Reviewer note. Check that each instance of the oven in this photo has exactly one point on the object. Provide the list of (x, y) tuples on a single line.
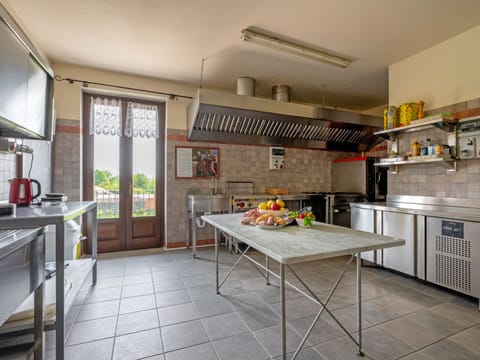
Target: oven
[(339, 207), (320, 202), (334, 207)]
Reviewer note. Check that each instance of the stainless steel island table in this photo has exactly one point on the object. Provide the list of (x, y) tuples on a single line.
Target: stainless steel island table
[(36, 216), (293, 244)]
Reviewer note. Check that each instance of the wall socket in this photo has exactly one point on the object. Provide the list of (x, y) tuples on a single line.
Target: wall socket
[(6, 145)]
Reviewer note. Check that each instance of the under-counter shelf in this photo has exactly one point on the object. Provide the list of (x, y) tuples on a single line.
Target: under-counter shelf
[(443, 122), (449, 163), (76, 272)]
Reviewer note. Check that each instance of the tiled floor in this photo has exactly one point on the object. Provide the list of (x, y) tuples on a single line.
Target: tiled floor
[(163, 306)]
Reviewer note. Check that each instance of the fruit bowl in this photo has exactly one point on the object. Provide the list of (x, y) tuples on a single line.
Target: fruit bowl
[(274, 212)]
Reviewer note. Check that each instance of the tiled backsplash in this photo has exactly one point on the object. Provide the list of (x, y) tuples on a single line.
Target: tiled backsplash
[(7, 171), (305, 170), (67, 157)]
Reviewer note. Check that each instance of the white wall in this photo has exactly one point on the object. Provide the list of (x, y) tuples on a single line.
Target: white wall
[(445, 74), (68, 96)]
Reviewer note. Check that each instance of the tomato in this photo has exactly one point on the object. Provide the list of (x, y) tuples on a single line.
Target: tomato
[(301, 216)]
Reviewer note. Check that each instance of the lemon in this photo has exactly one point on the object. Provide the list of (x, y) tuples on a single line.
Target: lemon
[(281, 203), (263, 206), (269, 204)]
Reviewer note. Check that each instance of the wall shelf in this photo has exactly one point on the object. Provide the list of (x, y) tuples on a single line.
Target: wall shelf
[(442, 122), (449, 163)]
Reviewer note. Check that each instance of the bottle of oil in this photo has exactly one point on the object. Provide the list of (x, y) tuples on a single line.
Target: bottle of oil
[(415, 148)]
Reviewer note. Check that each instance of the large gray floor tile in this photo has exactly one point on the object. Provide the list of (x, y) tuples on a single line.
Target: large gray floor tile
[(137, 290), (416, 333), (172, 298), (270, 338), (177, 313), (166, 274), (98, 310), (213, 306), (323, 330), (445, 350), (137, 278), (105, 294), (137, 321), (341, 349), (138, 345), (202, 351), (203, 292), (167, 285), (137, 303), (183, 335), (259, 317), (109, 282), (94, 350), (224, 325), (381, 345), (240, 347), (304, 354), (297, 308), (92, 330), (198, 280), (460, 314), (469, 339)]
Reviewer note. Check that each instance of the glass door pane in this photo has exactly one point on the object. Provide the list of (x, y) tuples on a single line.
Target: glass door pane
[(143, 176), (106, 172)]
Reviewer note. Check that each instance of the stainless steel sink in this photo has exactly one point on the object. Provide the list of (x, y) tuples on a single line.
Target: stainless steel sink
[(198, 205), (208, 203)]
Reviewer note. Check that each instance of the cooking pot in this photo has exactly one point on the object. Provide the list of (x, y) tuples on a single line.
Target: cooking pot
[(21, 191)]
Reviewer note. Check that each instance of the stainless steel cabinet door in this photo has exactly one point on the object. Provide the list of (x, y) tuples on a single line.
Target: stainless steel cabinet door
[(400, 258), (364, 220)]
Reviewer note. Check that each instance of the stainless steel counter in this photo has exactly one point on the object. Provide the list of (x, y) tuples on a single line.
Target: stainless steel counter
[(37, 216), (452, 208)]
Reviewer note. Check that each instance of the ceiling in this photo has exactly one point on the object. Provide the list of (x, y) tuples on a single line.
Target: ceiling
[(168, 39)]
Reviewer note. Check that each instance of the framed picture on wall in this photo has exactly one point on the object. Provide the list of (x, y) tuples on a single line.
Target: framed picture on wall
[(196, 162)]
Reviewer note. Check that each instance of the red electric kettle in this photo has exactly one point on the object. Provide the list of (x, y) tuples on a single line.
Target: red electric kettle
[(21, 191)]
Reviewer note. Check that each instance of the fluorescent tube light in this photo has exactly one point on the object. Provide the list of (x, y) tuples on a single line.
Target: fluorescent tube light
[(296, 49)]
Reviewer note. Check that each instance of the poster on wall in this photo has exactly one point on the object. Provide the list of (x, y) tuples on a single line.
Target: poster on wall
[(196, 162)]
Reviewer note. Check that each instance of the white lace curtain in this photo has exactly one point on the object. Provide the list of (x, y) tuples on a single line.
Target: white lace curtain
[(106, 118), (141, 121)]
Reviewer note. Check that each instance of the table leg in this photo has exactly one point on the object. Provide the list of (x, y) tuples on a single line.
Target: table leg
[(267, 273), (60, 291), (194, 237), (38, 323), (216, 261), (359, 302), (283, 315), (92, 218)]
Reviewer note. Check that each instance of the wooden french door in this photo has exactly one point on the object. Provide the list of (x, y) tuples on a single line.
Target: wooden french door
[(125, 175)]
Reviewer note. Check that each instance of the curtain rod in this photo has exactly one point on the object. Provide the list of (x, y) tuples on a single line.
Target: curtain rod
[(86, 82)]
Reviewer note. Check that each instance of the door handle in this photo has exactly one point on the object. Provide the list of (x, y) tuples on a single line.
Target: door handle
[(130, 189)]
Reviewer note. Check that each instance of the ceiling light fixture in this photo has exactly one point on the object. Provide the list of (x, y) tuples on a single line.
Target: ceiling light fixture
[(293, 48)]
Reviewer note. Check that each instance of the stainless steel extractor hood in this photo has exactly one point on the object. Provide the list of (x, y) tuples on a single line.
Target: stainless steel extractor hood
[(226, 117)]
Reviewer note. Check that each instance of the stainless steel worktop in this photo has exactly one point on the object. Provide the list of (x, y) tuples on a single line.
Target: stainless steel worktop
[(267, 196), (34, 216), (451, 208)]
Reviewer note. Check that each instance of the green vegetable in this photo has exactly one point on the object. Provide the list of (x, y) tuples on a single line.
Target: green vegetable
[(308, 217)]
